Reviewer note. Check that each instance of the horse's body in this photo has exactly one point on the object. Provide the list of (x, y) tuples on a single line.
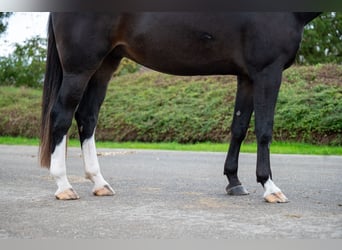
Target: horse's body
[(86, 48)]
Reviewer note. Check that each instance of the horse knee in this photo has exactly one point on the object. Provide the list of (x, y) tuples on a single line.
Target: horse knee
[(263, 137), (86, 125), (238, 133), (61, 122)]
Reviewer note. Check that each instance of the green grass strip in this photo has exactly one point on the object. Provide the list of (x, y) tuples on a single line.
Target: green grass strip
[(276, 147)]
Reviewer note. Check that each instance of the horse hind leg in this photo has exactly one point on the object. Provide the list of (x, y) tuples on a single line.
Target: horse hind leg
[(58, 171), (87, 116), (62, 111), (242, 115)]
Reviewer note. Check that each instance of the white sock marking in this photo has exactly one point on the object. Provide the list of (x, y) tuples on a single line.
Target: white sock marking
[(58, 167), (270, 188), (91, 163)]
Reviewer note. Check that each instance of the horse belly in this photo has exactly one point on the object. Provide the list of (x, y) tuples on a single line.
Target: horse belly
[(184, 63), (183, 45)]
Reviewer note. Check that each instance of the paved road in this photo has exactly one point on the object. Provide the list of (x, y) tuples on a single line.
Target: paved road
[(165, 194)]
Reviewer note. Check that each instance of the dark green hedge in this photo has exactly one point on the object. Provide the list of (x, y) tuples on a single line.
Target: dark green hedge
[(152, 107)]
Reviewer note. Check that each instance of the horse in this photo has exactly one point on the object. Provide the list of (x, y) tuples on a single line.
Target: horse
[(85, 49)]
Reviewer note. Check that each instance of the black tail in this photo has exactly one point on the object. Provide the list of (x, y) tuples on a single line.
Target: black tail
[(52, 83), (306, 17)]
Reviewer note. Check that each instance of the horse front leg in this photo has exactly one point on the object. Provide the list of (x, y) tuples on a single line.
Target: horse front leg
[(241, 118), (266, 88)]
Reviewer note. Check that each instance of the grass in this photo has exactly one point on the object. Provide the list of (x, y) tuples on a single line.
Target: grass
[(276, 148)]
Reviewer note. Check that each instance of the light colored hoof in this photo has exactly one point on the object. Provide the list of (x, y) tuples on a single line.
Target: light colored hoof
[(104, 191), (278, 197), (68, 194)]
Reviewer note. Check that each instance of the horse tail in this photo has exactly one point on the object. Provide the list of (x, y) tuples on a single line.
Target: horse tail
[(52, 82)]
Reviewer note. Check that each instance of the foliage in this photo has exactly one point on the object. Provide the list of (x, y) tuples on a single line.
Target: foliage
[(20, 109), (310, 105), (153, 107), (322, 40), (126, 67), (156, 107), (3, 21), (26, 65)]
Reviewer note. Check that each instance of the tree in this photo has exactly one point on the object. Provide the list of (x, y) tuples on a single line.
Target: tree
[(322, 40), (26, 65), (3, 21)]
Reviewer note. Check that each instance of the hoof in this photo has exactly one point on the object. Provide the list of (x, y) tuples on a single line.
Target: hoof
[(276, 198), (68, 194), (104, 191), (236, 190)]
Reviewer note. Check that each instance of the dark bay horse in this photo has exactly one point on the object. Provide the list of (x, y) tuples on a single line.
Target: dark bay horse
[(84, 49)]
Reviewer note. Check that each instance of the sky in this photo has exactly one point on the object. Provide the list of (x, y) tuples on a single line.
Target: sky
[(22, 26)]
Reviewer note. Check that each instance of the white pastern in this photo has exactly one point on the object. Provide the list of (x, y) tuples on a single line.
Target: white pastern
[(270, 188), (91, 164), (58, 167)]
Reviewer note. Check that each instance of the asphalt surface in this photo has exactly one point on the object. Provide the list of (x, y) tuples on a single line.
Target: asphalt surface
[(169, 195)]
